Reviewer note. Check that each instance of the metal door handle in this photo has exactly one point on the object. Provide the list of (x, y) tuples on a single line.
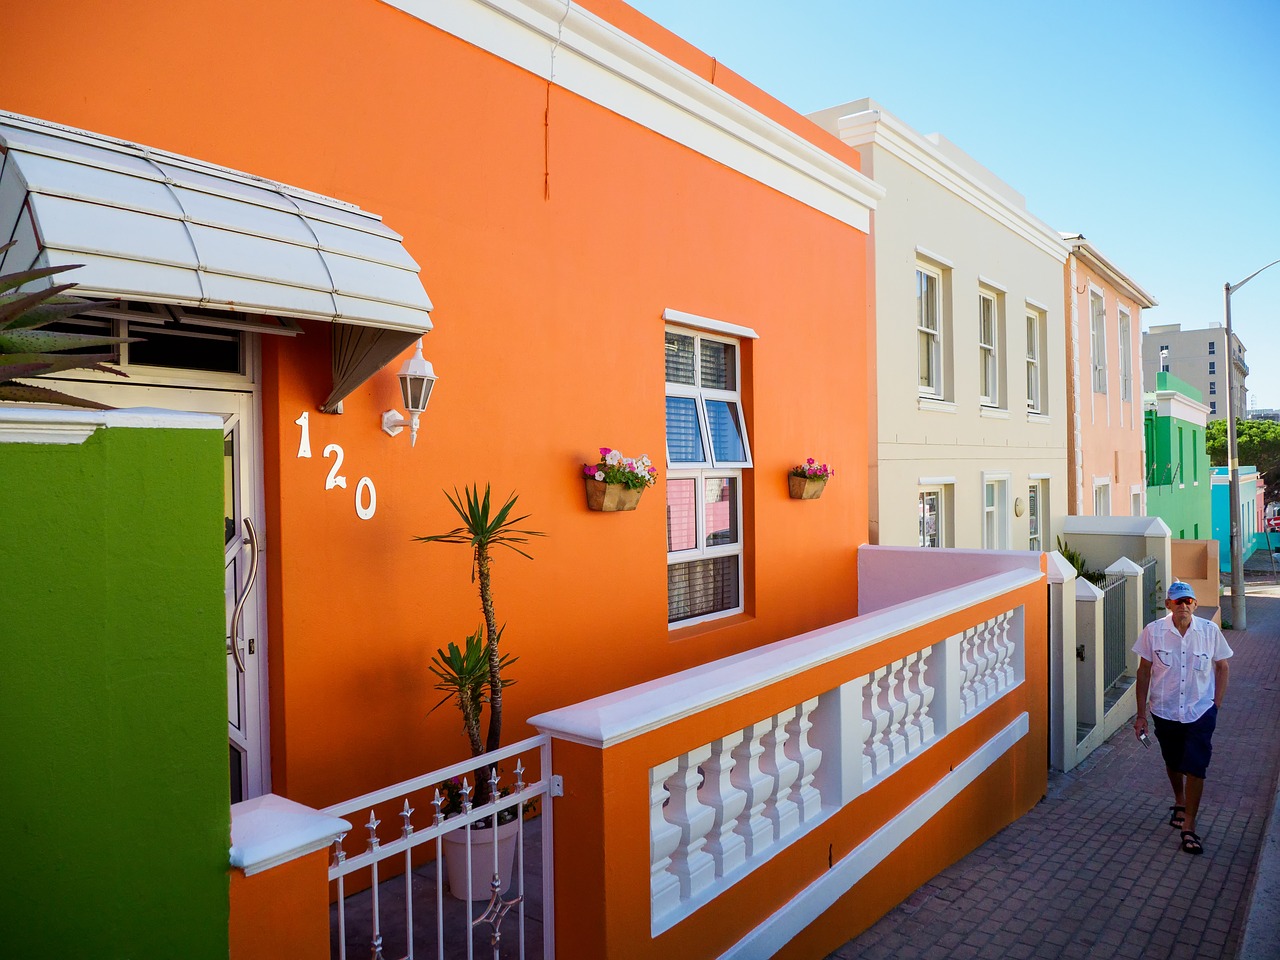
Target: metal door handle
[(252, 540)]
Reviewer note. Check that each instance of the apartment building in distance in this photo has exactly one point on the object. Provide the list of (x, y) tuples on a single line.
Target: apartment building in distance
[(1198, 357)]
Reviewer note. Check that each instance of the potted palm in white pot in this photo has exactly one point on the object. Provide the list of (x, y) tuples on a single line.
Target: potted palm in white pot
[(471, 677)]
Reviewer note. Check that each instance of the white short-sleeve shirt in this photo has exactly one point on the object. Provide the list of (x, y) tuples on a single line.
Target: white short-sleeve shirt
[(1182, 674)]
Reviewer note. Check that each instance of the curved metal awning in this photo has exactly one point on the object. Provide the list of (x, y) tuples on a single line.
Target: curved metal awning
[(154, 226)]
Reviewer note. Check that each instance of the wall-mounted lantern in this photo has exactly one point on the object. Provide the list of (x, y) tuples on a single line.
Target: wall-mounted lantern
[(416, 380)]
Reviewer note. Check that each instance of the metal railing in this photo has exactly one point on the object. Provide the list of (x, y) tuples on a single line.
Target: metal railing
[(483, 904), (1114, 640)]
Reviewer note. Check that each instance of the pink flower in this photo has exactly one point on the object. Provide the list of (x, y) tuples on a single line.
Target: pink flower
[(809, 461), (605, 451), (589, 470)]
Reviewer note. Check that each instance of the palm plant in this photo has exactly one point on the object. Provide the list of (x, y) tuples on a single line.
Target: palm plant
[(28, 351), (482, 529)]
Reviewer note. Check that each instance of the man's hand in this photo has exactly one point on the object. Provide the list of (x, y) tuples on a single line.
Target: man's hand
[(1140, 725)]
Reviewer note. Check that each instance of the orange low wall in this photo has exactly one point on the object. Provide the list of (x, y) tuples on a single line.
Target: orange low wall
[(283, 911), (603, 849)]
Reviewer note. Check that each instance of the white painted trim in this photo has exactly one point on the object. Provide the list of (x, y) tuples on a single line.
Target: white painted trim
[(934, 405), (994, 413), (992, 284), (1101, 482), (821, 895), (936, 481), (1036, 305), (706, 323), (620, 716), (72, 426), (270, 830), (934, 259), (1039, 418), (573, 48), (1039, 476), (877, 127)]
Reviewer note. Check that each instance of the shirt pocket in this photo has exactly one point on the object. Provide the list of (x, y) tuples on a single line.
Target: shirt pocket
[(1164, 656), (1201, 662)]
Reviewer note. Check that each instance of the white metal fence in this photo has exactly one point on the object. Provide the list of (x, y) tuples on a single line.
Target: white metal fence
[(410, 915)]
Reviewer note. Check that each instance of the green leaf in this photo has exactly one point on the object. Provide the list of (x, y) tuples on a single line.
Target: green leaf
[(28, 394)]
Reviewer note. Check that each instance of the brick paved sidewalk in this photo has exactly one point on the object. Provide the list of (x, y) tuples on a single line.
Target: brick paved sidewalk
[(1094, 870)]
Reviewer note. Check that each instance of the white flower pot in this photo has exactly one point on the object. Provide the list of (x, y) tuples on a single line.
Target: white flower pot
[(455, 860)]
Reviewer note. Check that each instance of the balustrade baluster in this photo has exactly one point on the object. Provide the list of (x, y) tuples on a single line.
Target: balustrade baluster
[(876, 749), (924, 716), (779, 809), (754, 828), (894, 709), (911, 697), (1005, 646), (692, 865), (969, 665), (726, 847), (664, 837), (807, 758)]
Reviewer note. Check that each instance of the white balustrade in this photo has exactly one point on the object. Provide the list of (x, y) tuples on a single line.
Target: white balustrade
[(719, 811)]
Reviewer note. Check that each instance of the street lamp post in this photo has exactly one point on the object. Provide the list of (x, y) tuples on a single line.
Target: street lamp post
[(1238, 620)]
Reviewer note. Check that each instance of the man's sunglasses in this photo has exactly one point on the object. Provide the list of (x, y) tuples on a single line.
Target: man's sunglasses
[(1182, 600)]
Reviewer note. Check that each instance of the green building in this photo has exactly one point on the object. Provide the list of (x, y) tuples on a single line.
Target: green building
[(1178, 475)]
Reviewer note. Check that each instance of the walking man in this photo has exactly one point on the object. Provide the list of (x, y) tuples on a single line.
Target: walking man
[(1183, 678)]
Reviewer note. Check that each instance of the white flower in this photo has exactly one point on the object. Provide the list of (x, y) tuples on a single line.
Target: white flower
[(599, 474)]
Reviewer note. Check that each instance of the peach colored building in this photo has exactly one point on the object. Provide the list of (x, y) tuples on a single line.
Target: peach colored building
[(1105, 435)]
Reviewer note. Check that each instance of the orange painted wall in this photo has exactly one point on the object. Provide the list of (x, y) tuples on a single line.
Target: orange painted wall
[(607, 800), (1111, 431), (285, 906), (552, 234)]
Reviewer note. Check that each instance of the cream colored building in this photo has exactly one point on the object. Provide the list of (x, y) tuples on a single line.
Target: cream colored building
[(969, 444)]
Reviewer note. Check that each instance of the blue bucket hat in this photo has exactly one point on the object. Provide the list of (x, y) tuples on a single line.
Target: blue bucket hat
[(1178, 590)]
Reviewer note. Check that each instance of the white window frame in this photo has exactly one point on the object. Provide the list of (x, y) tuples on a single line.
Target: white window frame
[(988, 348), (932, 336), (1037, 381), (1213, 388), (1036, 491), (709, 468), (943, 514), (1102, 496), (1213, 368), (995, 517), (1126, 357), (1098, 342), (1213, 348)]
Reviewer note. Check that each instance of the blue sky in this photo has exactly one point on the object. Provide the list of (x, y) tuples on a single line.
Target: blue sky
[(1153, 128)]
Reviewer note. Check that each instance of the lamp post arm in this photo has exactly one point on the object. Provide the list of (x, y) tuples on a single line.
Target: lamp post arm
[(1232, 288)]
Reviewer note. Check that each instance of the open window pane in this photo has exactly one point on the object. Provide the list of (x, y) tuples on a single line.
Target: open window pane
[(930, 517), (684, 432), (724, 418), (680, 356), (720, 499), (702, 587), (682, 515), (719, 365)]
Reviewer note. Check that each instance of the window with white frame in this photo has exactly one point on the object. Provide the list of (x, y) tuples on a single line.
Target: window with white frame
[(1098, 311), (1213, 347), (929, 331), (1213, 406), (707, 452), (935, 516), (1213, 387), (990, 338), (1102, 499), (1037, 371), (995, 514), (1135, 508), (1213, 366), (1036, 515), (1126, 359)]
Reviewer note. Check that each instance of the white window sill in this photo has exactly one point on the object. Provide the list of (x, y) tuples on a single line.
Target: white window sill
[(937, 405), (994, 413), (1039, 418)]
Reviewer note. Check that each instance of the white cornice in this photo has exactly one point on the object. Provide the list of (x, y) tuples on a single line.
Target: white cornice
[(1093, 258), (879, 128), (582, 53), (69, 425)]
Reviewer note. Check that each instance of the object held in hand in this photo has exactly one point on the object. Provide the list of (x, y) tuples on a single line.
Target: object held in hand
[(1146, 741)]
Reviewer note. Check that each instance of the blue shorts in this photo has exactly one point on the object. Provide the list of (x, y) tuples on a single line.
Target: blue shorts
[(1187, 747)]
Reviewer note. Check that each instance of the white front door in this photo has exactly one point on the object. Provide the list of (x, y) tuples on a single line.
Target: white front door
[(242, 544)]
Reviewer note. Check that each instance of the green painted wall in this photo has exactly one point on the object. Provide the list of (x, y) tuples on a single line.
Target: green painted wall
[(114, 788), (1178, 475)]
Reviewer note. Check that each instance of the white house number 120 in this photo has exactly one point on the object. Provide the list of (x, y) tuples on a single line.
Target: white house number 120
[(366, 495)]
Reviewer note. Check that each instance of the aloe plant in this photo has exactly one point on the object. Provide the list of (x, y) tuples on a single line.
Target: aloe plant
[(28, 351), (483, 529)]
